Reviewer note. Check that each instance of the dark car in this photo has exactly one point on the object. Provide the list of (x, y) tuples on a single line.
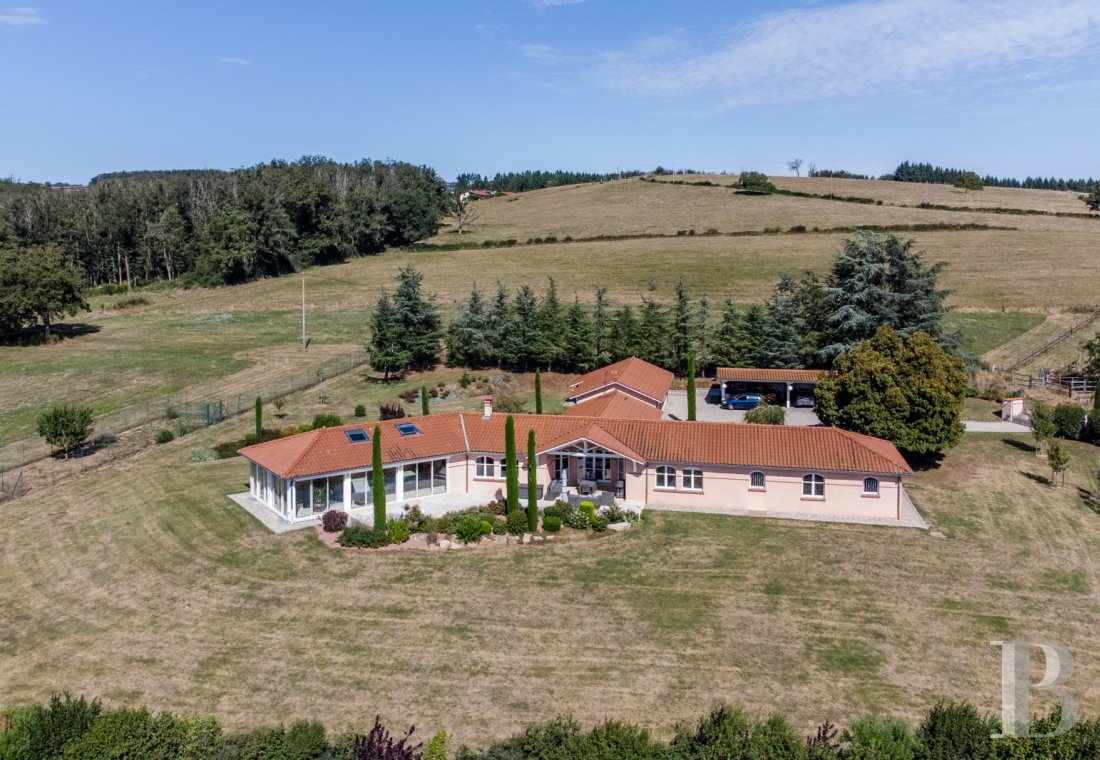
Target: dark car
[(804, 402), (743, 401), (714, 395)]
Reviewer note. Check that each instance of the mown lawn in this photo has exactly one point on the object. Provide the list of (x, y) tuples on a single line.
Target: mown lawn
[(142, 583)]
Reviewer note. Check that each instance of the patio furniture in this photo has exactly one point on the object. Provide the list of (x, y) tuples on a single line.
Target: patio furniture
[(586, 487)]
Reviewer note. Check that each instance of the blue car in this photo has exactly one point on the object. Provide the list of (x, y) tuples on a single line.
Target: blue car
[(743, 401)]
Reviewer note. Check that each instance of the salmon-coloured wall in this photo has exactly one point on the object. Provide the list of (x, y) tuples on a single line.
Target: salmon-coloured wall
[(660, 404), (728, 488)]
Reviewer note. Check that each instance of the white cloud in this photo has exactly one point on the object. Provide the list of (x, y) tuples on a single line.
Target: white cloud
[(21, 16), (862, 47), (541, 53), (540, 4), (232, 61)]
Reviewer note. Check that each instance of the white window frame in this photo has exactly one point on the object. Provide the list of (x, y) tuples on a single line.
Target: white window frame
[(485, 468), (816, 483), (664, 473), (693, 479), (874, 489), (503, 468)]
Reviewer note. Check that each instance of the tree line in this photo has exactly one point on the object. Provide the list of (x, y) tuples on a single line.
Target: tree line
[(807, 321), (215, 227), (519, 182), (924, 172)]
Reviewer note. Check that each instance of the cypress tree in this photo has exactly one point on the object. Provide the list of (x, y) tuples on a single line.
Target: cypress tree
[(532, 483), (377, 482), (511, 475), (691, 387), (424, 409), (682, 329), (601, 324), (259, 418), (538, 391)]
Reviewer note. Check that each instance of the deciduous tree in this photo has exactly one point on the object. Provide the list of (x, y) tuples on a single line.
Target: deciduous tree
[(38, 284), (65, 427)]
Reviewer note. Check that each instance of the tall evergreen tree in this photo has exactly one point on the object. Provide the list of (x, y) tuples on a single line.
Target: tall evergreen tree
[(813, 310), (656, 333), (377, 481), (532, 483), (259, 418), (579, 345), (538, 391), (500, 322), (418, 320), (625, 335), (726, 339), (682, 327), (784, 326), (702, 335), (425, 404), (523, 336), (753, 334), (691, 387), (469, 334), (601, 327), (551, 329), (387, 350), (511, 472)]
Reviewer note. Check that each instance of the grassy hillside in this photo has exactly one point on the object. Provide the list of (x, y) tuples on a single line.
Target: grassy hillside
[(142, 583), (201, 341)]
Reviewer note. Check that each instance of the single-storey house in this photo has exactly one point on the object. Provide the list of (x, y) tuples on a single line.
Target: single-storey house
[(812, 471), (782, 387), (633, 377)]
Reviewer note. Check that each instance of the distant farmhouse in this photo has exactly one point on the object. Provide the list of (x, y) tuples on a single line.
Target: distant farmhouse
[(610, 444)]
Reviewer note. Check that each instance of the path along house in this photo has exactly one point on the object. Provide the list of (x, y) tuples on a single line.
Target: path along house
[(613, 449)]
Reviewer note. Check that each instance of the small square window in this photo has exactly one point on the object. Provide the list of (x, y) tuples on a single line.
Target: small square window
[(357, 435), (408, 428)]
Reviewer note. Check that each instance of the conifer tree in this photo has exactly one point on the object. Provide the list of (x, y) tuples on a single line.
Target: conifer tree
[(378, 483), (469, 334), (417, 317), (753, 334), (784, 327), (425, 408), (538, 391), (702, 335), (625, 335), (550, 326), (682, 338), (523, 337), (532, 483), (601, 326), (726, 339), (500, 320), (691, 387), (259, 418), (655, 333), (511, 474), (388, 353), (580, 350)]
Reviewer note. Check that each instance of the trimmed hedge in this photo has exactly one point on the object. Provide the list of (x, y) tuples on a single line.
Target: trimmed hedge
[(551, 524)]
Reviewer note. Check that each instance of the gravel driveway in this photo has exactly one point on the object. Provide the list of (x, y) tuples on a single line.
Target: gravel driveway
[(676, 408)]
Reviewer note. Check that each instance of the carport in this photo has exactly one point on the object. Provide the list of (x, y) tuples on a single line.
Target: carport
[(780, 386)]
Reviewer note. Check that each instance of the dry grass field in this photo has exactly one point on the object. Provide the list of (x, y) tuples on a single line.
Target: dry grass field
[(142, 583)]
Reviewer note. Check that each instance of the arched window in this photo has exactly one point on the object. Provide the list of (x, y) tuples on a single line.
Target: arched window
[(503, 468), (813, 485), (870, 486), (666, 476), (693, 480), (486, 467), (757, 480)]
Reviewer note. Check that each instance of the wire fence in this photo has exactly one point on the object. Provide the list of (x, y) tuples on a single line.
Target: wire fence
[(32, 463)]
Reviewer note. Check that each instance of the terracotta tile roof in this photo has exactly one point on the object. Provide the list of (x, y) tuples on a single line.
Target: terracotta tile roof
[(769, 375), (633, 373), (615, 405), (715, 443)]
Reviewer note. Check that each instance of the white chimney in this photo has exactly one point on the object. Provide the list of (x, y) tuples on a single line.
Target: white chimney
[(488, 406)]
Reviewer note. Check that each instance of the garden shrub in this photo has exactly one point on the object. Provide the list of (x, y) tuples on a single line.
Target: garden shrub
[(551, 524), (517, 523), (164, 436), (487, 527), (496, 507), (731, 732), (334, 521), (204, 455), (766, 415), (391, 412), (437, 748), (362, 536), (43, 731), (380, 744), (326, 420), (880, 738), (305, 740), (1070, 420), (599, 524), (360, 410), (577, 519), (617, 514), (398, 531), (125, 733), (555, 510), (589, 509), (468, 528), (417, 520), (955, 732), (500, 527)]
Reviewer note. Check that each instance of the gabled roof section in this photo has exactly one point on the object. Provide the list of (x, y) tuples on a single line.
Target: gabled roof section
[(749, 374), (593, 433), (615, 405), (634, 374)]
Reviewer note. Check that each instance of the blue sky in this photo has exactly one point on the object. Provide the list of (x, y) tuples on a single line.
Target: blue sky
[(1010, 87)]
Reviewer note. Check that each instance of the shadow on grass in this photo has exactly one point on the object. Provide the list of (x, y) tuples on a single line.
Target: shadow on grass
[(1016, 443), (1037, 478), (35, 337), (925, 462)]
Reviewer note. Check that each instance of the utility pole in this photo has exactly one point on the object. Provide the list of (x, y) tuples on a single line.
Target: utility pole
[(303, 312)]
